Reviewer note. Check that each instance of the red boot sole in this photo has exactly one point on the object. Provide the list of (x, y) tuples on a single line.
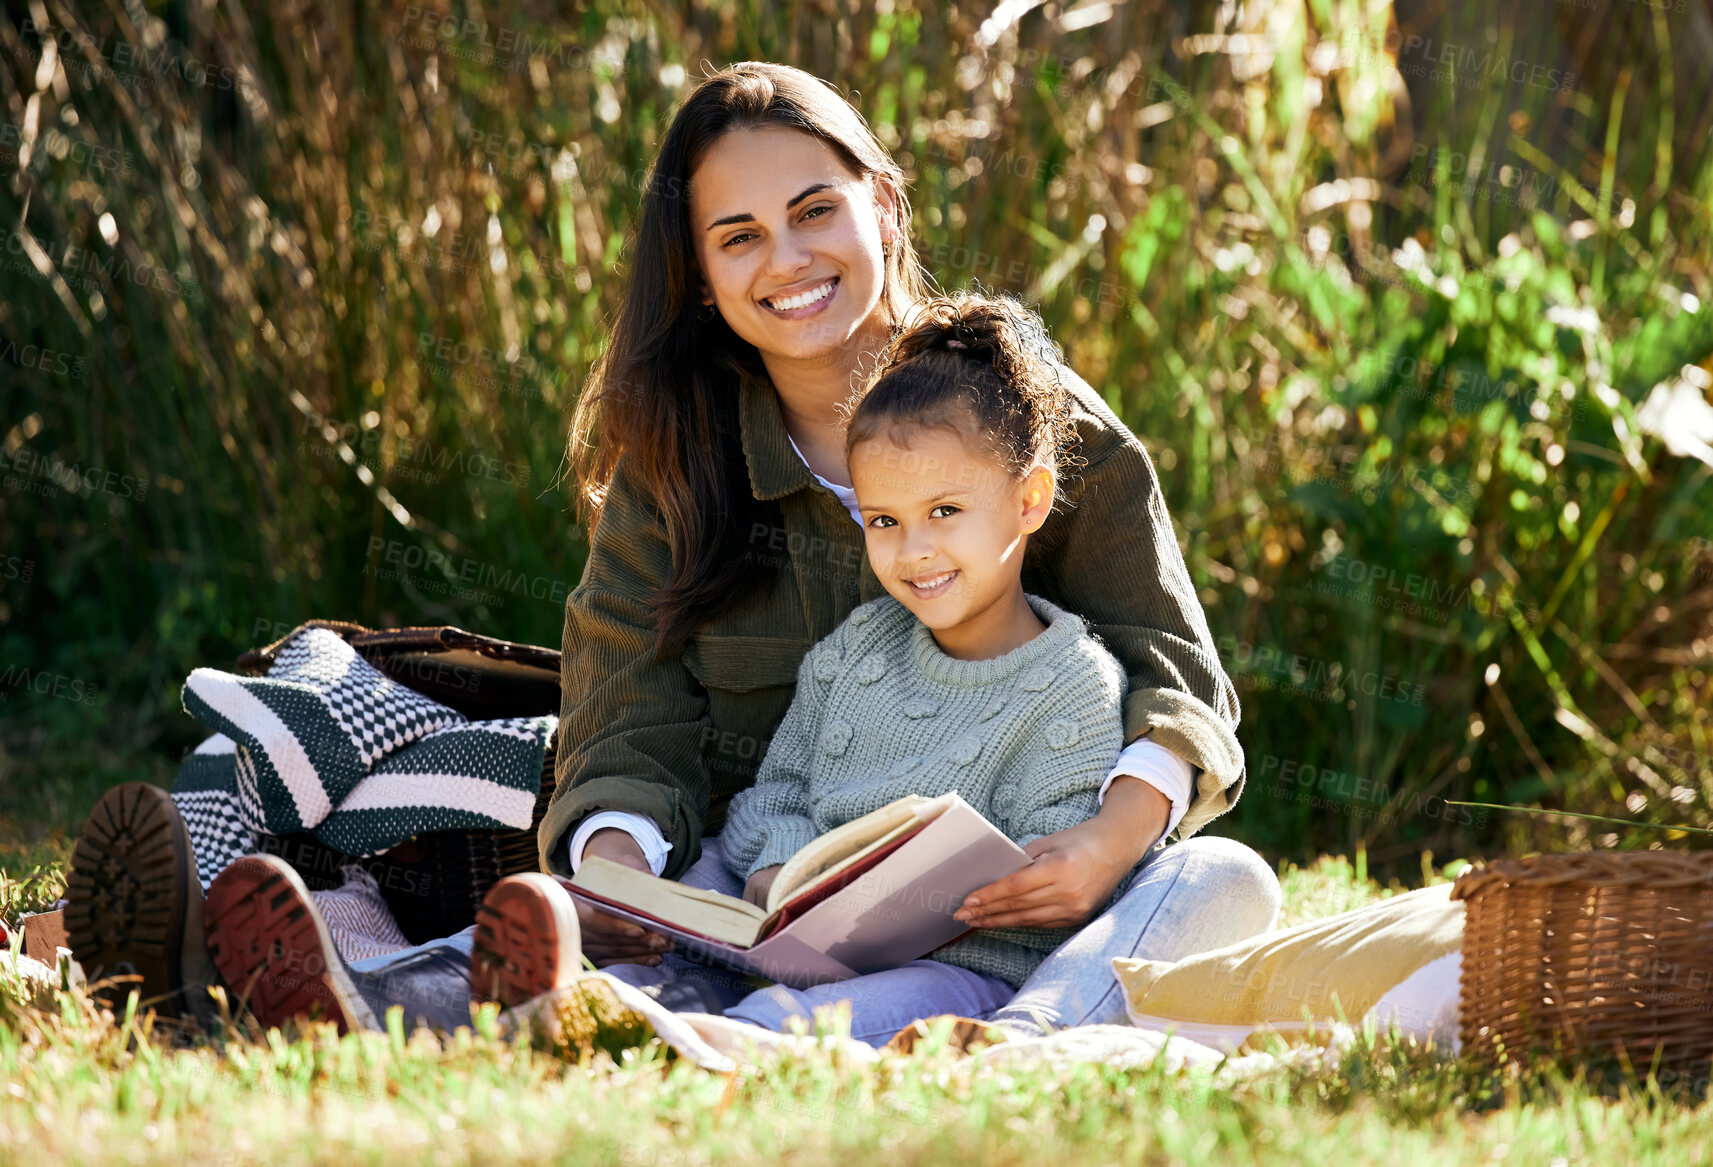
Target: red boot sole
[(527, 941), (273, 949)]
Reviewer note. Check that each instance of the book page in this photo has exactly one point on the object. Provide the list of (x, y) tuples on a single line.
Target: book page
[(707, 913), (843, 845), (836, 880), (890, 906), (901, 907)]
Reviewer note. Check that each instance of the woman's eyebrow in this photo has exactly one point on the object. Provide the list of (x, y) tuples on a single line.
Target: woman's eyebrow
[(746, 217)]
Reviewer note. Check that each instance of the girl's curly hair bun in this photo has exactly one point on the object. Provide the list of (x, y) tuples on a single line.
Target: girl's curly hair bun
[(989, 355)]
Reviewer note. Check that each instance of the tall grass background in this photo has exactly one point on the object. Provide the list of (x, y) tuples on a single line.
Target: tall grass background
[(1398, 323)]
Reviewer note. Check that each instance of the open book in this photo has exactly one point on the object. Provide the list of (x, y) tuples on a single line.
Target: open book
[(873, 894)]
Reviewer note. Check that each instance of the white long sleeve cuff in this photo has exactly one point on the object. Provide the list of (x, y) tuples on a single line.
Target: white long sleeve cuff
[(643, 829), (1159, 768)]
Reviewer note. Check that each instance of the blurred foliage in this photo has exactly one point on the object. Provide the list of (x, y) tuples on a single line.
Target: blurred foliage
[(1397, 298)]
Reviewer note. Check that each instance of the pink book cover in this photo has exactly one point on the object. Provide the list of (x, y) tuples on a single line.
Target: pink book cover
[(890, 909)]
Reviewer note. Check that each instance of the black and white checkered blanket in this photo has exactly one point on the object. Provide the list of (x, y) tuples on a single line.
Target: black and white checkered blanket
[(326, 743)]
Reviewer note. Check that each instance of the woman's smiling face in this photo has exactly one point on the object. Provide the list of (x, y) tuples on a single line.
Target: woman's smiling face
[(790, 241)]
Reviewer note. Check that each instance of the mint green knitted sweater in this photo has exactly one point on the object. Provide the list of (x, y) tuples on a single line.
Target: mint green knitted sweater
[(881, 712)]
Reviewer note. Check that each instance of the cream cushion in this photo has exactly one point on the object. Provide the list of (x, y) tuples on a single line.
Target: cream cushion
[(1396, 961)]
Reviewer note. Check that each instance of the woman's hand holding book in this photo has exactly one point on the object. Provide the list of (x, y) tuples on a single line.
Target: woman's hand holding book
[(608, 939)]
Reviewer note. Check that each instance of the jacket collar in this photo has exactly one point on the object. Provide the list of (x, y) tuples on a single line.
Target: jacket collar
[(774, 469)]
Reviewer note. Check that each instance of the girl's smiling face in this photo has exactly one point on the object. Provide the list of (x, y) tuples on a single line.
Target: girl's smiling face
[(790, 241), (946, 525)]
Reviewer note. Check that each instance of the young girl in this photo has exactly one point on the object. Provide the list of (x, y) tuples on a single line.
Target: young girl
[(956, 680)]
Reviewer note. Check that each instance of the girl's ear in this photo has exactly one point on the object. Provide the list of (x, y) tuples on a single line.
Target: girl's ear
[(1039, 487)]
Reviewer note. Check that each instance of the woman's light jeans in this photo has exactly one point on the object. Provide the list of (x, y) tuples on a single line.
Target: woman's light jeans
[(1183, 898)]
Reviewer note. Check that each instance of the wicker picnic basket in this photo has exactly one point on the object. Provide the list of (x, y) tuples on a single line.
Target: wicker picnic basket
[(435, 882), (1590, 955)]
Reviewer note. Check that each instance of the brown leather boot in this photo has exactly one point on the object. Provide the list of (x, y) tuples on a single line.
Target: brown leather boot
[(967, 1035), (134, 905)]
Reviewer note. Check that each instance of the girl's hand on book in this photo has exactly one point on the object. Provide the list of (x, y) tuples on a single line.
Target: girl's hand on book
[(756, 889), (608, 939), (1073, 874), (1075, 870)]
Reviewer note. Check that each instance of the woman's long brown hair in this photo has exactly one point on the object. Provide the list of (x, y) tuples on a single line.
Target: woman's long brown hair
[(662, 402)]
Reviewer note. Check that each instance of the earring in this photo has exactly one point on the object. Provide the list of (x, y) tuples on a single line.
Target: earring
[(706, 313)]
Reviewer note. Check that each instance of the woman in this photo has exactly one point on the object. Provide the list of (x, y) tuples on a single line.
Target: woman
[(771, 263)]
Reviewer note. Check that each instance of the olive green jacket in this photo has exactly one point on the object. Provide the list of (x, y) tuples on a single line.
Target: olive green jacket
[(674, 738)]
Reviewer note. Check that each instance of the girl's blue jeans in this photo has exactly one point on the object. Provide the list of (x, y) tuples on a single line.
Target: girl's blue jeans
[(1188, 897)]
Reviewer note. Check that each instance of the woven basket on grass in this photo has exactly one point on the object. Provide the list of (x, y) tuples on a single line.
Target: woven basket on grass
[(1589, 955), (435, 882)]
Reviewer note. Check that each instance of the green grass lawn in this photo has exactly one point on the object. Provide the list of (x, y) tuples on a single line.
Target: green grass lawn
[(83, 1087)]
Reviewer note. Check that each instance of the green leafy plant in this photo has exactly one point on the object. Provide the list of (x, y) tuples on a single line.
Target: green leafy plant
[(321, 291)]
